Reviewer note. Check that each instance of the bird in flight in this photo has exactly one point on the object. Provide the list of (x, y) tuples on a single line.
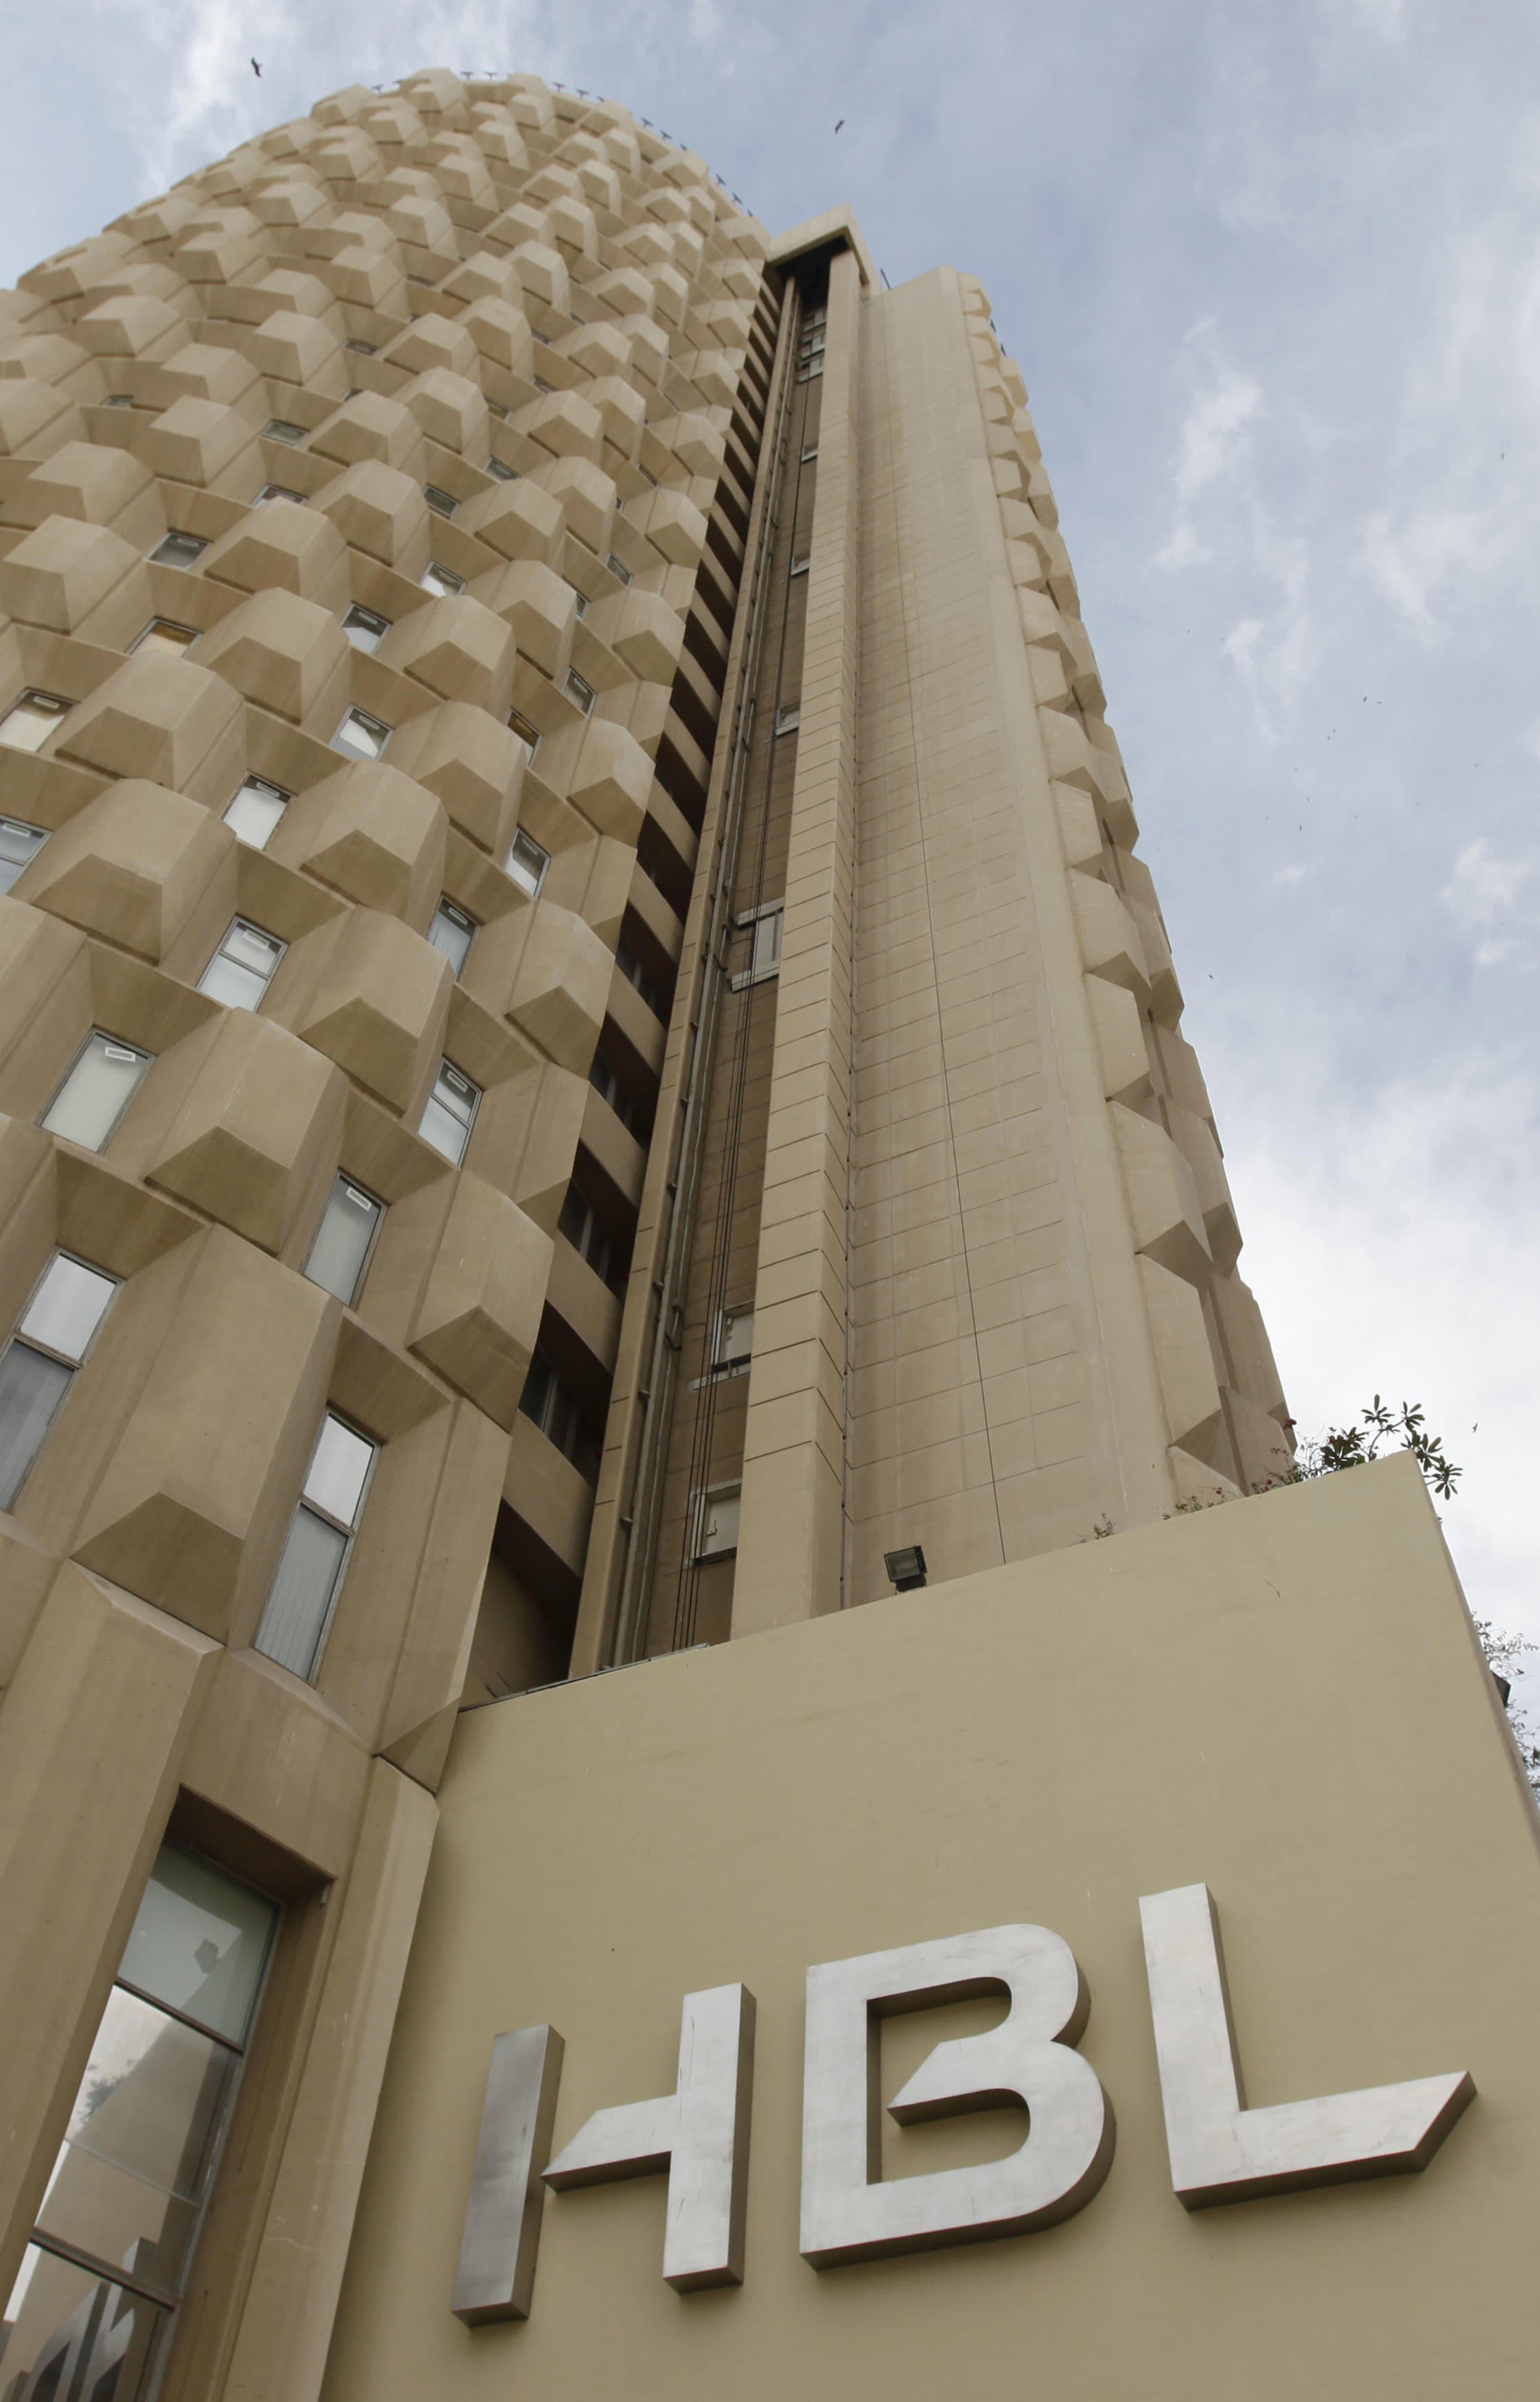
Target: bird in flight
[(256, 70), (837, 127)]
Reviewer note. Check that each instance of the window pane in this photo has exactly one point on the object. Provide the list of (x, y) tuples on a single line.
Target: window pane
[(68, 1306), (28, 725), (137, 2156), (342, 1241), (241, 968), (279, 429), (294, 1619), (96, 1092), (253, 814), (447, 1119), (162, 636), (528, 863), (18, 843), (201, 1941), (443, 580), (179, 550), (68, 2334), (338, 1470), (31, 1390), (364, 629), (450, 933), (360, 735)]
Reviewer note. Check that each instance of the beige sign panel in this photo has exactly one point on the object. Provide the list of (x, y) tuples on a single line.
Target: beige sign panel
[(1279, 1701)]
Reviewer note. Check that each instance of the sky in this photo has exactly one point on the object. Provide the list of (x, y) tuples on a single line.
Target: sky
[(1272, 274)]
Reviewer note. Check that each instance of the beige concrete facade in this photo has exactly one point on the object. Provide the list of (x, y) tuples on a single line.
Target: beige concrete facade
[(569, 925), (1283, 1699)]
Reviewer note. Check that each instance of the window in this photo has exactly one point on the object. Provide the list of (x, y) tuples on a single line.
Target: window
[(279, 429), (360, 735), (607, 1084), (733, 1341), (580, 600), (540, 384), (368, 350), (443, 581), (253, 814), (103, 1081), (528, 863), (789, 719), (528, 732), (579, 690), (498, 407), (91, 2310), (452, 933), (28, 722), (764, 932), (556, 1412), (442, 504), (39, 1363), (344, 1239), (714, 1529), (179, 550), (638, 978), (161, 635), (450, 1114), (580, 1226), (119, 400), (809, 455), (243, 967), (365, 627), (298, 1613), (18, 844), (504, 474), (617, 567), (800, 566), (277, 492)]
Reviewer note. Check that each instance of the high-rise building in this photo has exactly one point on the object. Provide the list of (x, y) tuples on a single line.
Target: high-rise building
[(590, 1071)]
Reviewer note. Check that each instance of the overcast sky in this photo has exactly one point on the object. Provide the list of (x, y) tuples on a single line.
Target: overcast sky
[(1273, 272)]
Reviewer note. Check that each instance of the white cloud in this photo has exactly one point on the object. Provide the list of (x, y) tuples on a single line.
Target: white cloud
[(1394, 1247), (1213, 429), (1484, 896), (1411, 560)]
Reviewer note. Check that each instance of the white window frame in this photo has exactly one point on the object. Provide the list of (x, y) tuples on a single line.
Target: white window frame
[(99, 1034), (765, 926), (714, 1522), (250, 927)]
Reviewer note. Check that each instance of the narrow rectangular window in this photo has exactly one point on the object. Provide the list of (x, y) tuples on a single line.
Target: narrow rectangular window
[(280, 429), (298, 1617), (179, 550), (580, 600), (580, 691), (365, 628), (732, 1344), (558, 1414), (278, 492), (581, 1226), (715, 1528), (618, 567), (528, 863), (764, 933), (452, 933), (501, 469), (360, 735), (103, 1081), (344, 1239), (800, 566), (528, 732), (20, 844), (790, 718), (243, 967), (450, 1114), (161, 634), (38, 1365), (442, 580), (442, 504), (254, 815), (28, 722), (92, 2307)]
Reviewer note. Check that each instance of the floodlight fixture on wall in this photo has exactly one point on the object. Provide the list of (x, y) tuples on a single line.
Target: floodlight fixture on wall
[(906, 1568)]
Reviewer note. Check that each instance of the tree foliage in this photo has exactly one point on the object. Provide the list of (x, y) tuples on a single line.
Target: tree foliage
[(1351, 1447)]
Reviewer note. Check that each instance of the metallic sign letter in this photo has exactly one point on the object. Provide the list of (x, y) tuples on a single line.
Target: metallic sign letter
[(497, 2251), (1221, 2151), (699, 2134), (846, 2213)]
